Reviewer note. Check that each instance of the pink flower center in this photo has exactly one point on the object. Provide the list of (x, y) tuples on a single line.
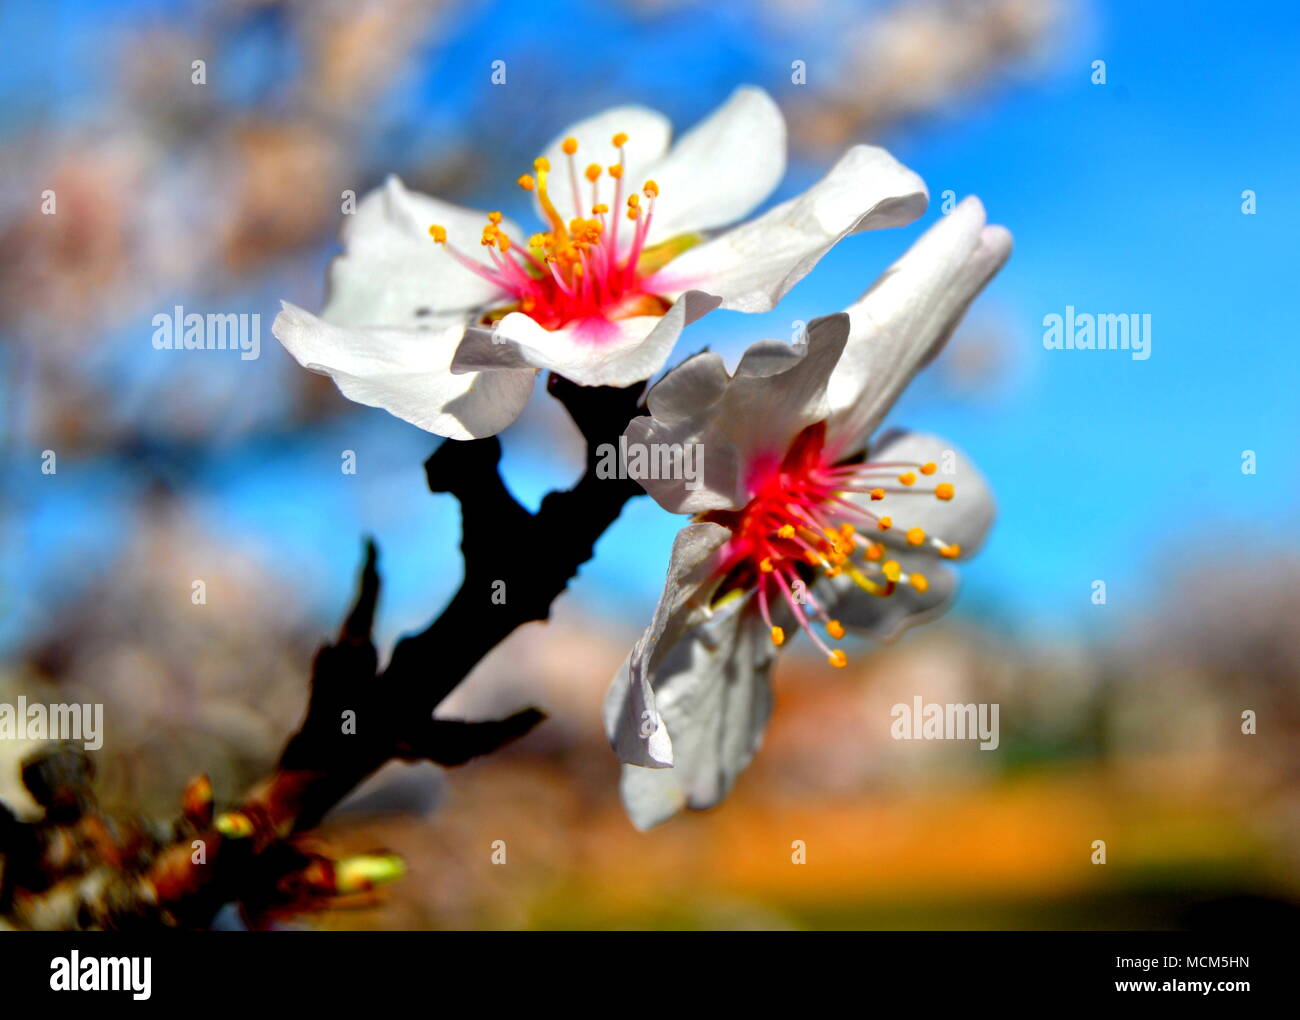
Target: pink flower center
[(798, 522), (591, 268)]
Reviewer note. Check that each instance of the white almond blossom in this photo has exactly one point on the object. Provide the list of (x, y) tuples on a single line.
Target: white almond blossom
[(443, 316), (798, 522)]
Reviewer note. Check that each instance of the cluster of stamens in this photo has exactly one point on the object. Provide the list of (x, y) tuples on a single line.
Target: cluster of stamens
[(799, 523), (573, 271)]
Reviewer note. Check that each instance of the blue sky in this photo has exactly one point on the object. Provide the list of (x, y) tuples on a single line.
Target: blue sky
[(1123, 197)]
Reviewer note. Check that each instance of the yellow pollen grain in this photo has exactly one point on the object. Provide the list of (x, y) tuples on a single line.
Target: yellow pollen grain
[(950, 552), (495, 218), (634, 213), (886, 523), (619, 140), (838, 659), (766, 565), (892, 570), (593, 172), (929, 468), (907, 478), (651, 189), (915, 536), (944, 490), (785, 531), (616, 171), (542, 165), (526, 182), (778, 636), (438, 233), (834, 571), (599, 209), (919, 582), (835, 629), (875, 551), (634, 200), (877, 494), (848, 530), (569, 146)]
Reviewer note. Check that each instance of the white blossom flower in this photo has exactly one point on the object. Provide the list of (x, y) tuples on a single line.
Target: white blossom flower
[(797, 522), (449, 333)]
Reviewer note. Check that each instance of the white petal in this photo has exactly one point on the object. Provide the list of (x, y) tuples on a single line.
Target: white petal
[(906, 317), (721, 169), (886, 618), (648, 133), (596, 352), (391, 273), (632, 720), (777, 392), (713, 691), (963, 520), (753, 266), (407, 372)]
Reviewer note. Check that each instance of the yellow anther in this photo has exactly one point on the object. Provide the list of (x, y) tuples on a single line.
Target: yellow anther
[(886, 523), (834, 571), (765, 565), (634, 200), (778, 636), (875, 551), (929, 468), (619, 140), (616, 171), (950, 552), (503, 242), (537, 241), (593, 172), (438, 233), (494, 217), (919, 582), (813, 558), (542, 165), (847, 530), (569, 146), (944, 490), (234, 825), (633, 213), (907, 478), (838, 659), (599, 209), (835, 629), (526, 182), (651, 189), (915, 536), (892, 570), (877, 494), (785, 531)]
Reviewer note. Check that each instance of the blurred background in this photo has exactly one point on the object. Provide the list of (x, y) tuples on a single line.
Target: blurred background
[(1120, 721)]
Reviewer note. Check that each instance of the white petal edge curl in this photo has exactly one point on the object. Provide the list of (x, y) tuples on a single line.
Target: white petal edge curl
[(391, 272), (902, 322), (648, 134), (778, 390), (629, 351), (754, 265), (407, 372), (721, 169), (713, 691), (632, 721)]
